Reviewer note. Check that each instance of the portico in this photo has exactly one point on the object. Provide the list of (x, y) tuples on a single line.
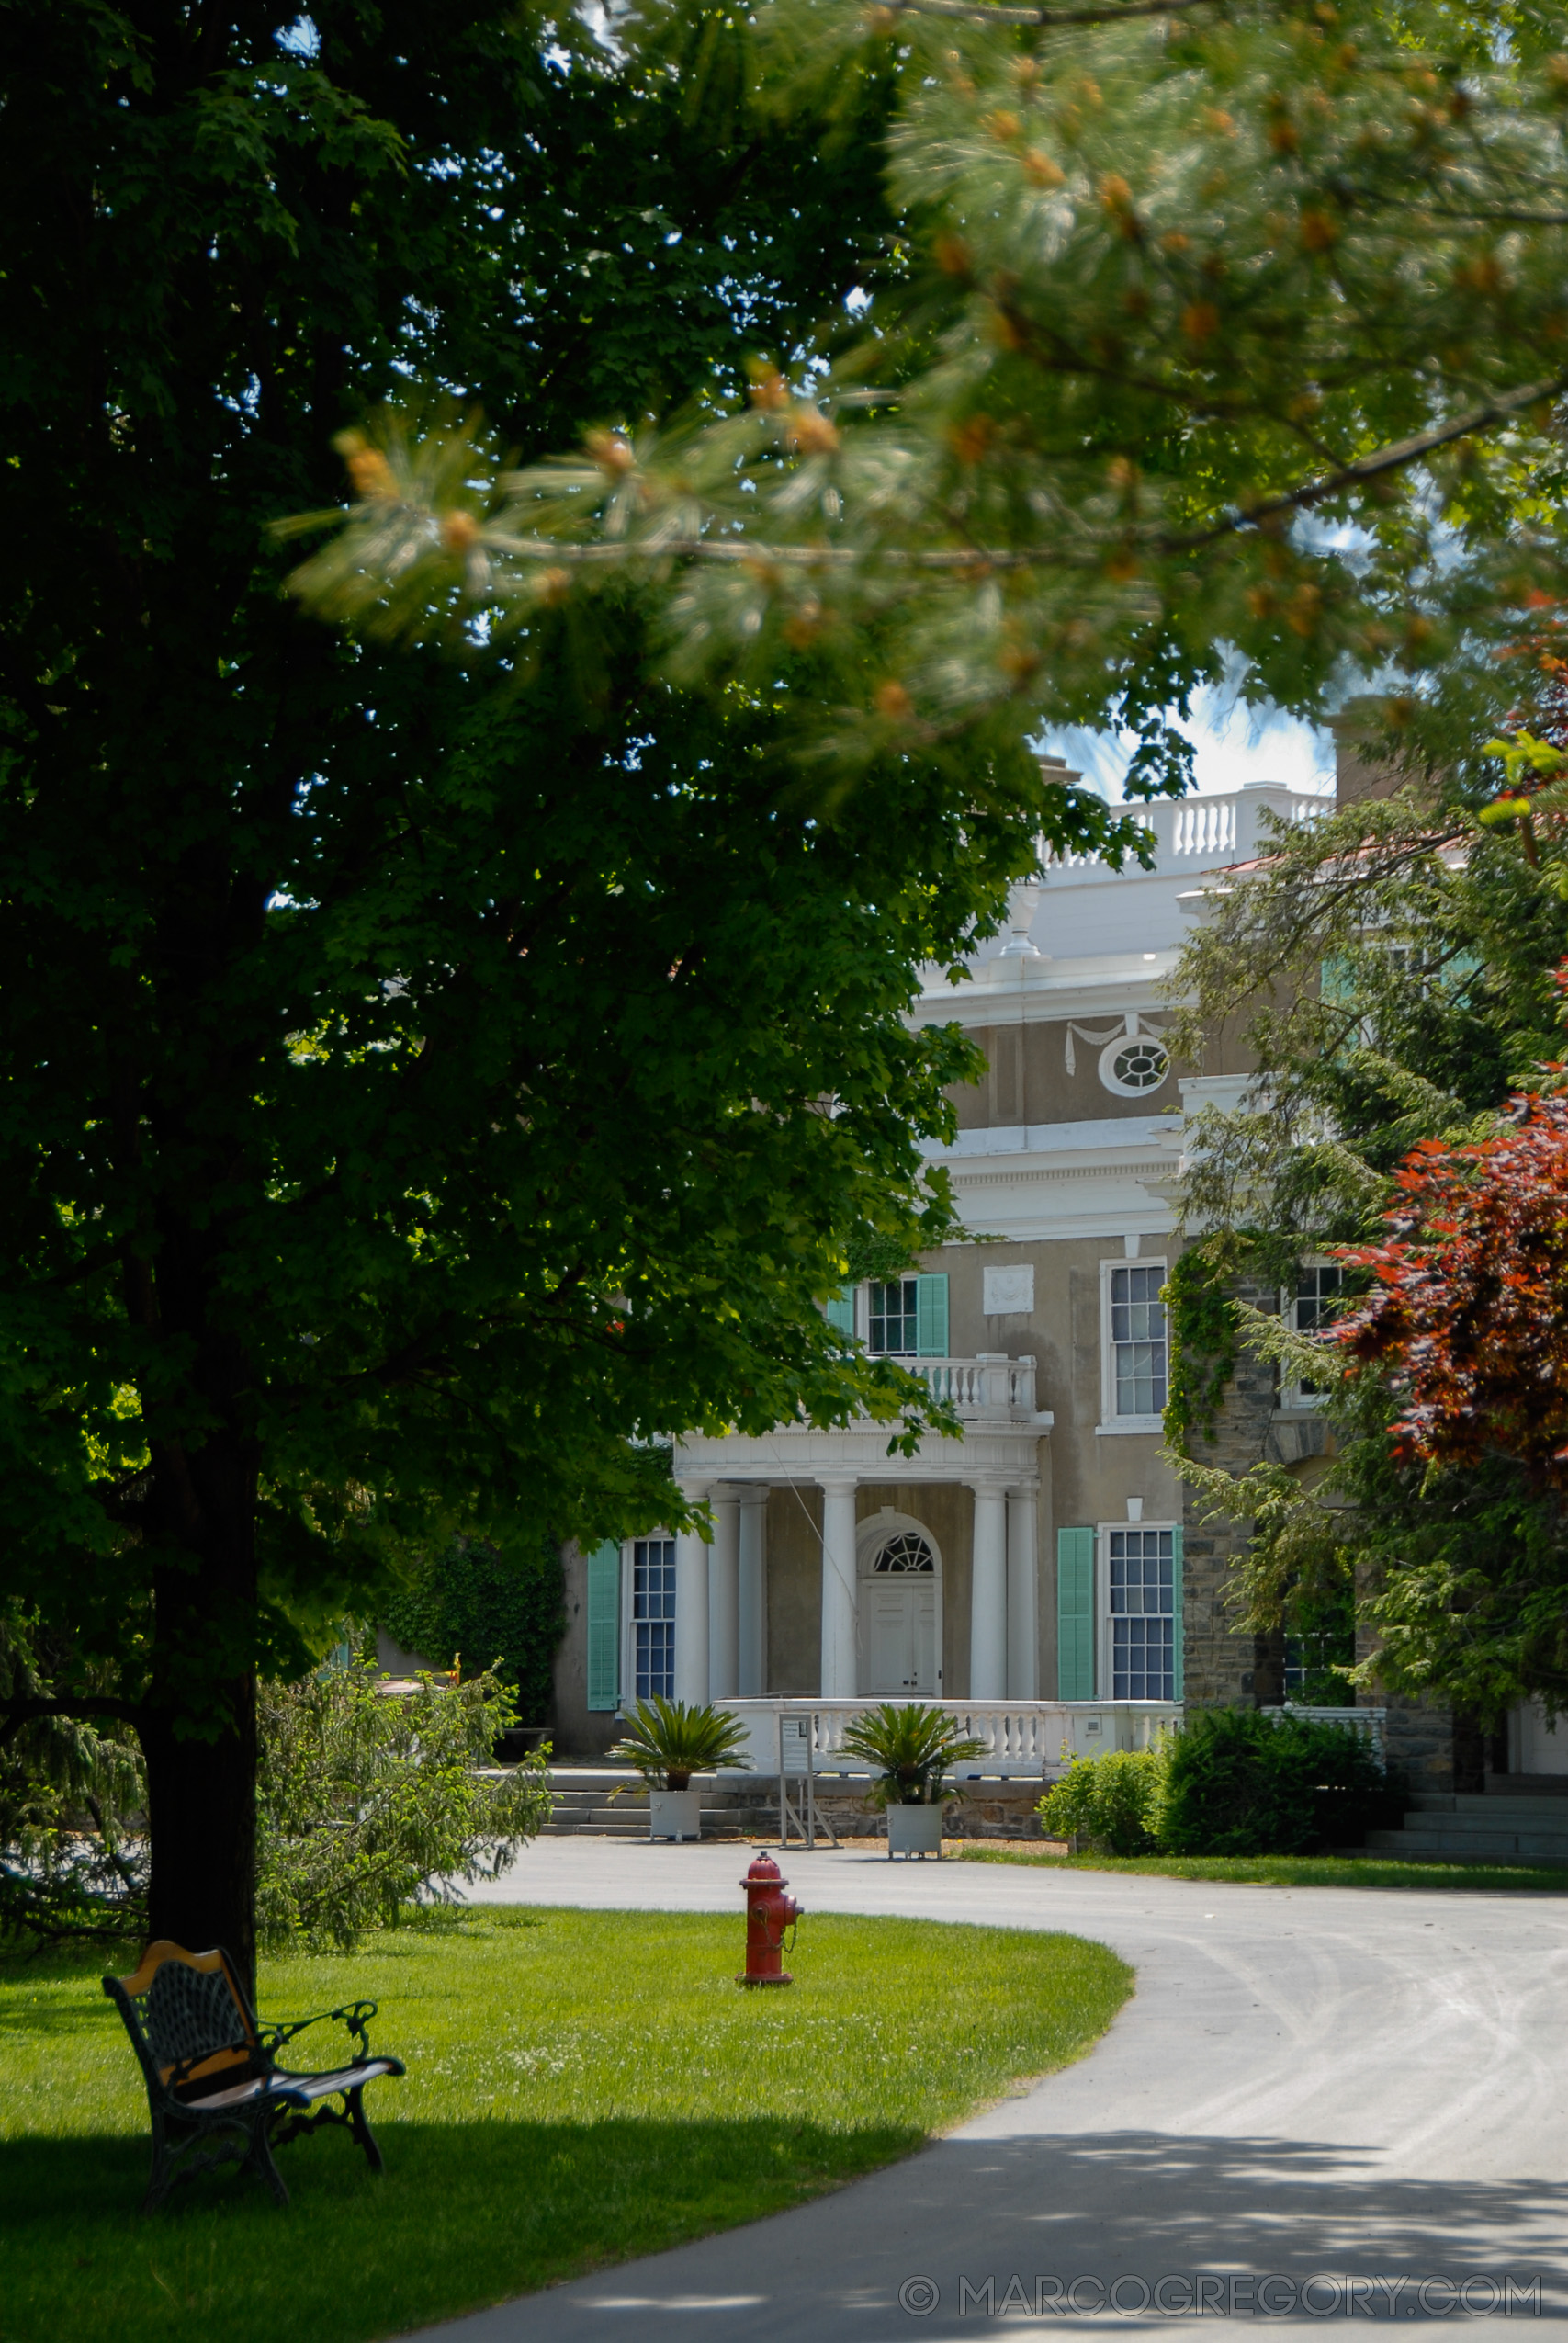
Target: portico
[(883, 1580)]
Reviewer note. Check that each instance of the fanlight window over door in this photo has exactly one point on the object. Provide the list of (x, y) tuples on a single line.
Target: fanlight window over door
[(900, 1630), (905, 1554)]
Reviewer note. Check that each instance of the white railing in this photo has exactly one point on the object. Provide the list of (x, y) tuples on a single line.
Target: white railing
[(1196, 833), (1204, 826), (1369, 1721), (1028, 1740), (999, 1389)]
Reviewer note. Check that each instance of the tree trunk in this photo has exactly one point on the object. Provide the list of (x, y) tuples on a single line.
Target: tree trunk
[(202, 1802), (197, 1727)]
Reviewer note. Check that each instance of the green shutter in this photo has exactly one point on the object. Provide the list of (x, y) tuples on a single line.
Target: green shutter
[(930, 1315), (1075, 1615), (1177, 1650), (840, 1311), (604, 1628)]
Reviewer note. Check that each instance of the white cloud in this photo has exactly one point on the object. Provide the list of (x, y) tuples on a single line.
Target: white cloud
[(1234, 744)]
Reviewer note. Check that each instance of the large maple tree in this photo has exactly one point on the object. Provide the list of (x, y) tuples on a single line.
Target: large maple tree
[(413, 1091)]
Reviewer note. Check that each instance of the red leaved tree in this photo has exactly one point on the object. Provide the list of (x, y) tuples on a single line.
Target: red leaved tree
[(1469, 1307)]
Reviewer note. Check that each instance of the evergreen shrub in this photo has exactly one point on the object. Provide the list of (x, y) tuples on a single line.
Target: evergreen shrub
[(1231, 1781), (1241, 1782)]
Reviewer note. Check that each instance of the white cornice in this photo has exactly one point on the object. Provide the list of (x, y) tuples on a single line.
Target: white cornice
[(1076, 988), (994, 1454)]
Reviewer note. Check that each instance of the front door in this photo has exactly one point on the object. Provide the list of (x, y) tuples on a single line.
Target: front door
[(901, 1638)]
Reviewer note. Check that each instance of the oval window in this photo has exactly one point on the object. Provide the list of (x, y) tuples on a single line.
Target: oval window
[(1133, 1067)]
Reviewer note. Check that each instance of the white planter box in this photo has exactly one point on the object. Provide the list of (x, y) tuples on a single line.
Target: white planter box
[(674, 1814), (914, 1830)]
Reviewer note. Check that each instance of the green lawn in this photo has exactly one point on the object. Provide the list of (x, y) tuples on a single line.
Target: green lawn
[(1288, 1871), (583, 2086)]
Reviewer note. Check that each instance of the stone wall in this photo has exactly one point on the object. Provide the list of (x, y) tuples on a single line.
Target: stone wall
[(1224, 1669), (992, 1810)]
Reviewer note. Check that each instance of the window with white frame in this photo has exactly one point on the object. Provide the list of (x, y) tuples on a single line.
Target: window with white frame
[(653, 1617), (1137, 1341), (895, 1316), (1139, 1622), (1313, 1306)]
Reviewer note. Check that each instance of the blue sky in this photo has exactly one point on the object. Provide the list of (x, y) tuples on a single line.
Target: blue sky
[(1234, 743)]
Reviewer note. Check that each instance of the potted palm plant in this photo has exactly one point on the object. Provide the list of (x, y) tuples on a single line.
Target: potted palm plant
[(669, 1741), (912, 1748)]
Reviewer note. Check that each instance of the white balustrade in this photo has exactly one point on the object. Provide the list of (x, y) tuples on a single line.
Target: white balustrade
[(999, 1389), (1367, 1720), (1030, 1740), (1204, 826), (1198, 834)]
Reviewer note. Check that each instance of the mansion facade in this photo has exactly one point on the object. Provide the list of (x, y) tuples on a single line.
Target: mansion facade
[(1041, 1557)]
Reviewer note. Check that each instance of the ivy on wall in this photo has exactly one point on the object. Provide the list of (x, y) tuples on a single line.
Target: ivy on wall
[(470, 1604), (1204, 1333)]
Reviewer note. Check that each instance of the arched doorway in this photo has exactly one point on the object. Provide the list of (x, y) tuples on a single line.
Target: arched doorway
[(900, 1611)]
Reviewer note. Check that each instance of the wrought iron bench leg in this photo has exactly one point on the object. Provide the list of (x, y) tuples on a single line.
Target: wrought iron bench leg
[(161, 2179), (259, 2158), (359, 2127)]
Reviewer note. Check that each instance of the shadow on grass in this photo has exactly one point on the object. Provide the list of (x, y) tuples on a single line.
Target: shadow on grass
[(477, 2213), (464, 2214)]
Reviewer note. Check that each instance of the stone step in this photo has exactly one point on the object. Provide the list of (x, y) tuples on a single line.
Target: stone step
[(1493, 1807), (582, 1806), (1433, 1844), (1466, 1825)]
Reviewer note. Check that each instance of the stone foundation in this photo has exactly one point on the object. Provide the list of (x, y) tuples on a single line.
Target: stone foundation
[(982, 1810)]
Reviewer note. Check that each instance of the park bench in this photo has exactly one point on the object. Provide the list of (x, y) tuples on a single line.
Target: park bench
[(215, 2090)]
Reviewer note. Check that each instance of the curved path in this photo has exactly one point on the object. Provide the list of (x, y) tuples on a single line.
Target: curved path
[(1363, 2088)]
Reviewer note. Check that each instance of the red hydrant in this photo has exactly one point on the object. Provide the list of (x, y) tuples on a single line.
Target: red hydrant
[(769, 1912)]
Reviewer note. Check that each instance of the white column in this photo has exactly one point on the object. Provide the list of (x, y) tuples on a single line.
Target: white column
[(989, 1598), (839, 1591), (753, 1606), (724, 1596), (1023, 1625), (691, 1609)]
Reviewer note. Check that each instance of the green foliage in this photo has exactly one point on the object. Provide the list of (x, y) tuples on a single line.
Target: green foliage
[(914, 1746), (670, 1740), (1300, 1871), (422, 1115), (73, 1859), (469, 1603), (1392, 970), (369, 1801), (1111, 1802), (1203, 1322), (1464, 1575), (1240, 1783), (1169, 297), (583, 2089)]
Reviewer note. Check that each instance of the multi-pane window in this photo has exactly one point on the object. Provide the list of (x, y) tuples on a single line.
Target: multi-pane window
[(1318, 1287), (1143, 1614), (894, 1315), (1138, 1341), (653, 1617)]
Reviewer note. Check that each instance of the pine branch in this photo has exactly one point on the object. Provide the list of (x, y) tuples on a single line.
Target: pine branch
[(967, 12)]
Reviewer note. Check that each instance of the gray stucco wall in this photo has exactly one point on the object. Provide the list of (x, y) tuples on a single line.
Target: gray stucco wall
[(576, 1730)]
